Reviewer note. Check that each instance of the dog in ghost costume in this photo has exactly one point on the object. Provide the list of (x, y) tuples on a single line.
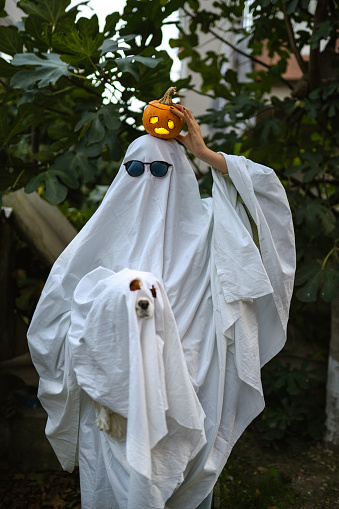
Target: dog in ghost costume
[(107, 420), (144, 306), (134, 370), (225, 300)]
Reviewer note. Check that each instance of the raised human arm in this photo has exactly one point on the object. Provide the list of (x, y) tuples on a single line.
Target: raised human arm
[(194, 141)]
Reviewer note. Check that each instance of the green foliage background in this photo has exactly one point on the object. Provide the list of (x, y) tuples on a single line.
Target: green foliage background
[(66, 96), (66, 108)]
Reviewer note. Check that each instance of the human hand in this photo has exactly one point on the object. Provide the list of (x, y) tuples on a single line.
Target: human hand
[(194, 141)]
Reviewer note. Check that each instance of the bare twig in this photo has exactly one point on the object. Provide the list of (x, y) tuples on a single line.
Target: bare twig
[(290, 33), (238, 50)]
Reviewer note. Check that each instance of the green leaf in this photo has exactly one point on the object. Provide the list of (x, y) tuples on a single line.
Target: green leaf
[(28, 97), (58, 130), (82, 39), (308, 293), (291, 7), (96, 132), (114, 146), (330, 288), (327, 219), (93, 150), (48, 10), (64, 168), (40, 31), (110, 116), (128, 64), (292, 387), (56, 192), (268, 126), (75, 166), (6, 69), (318, 218), (9, 131), (21, 121), (147, 61), (86, 170), (44, 156), (323, 31), (86, 118), (111, 22), (326, 279), (10, 40), (111, 46), (48, 70), (93, 123), (306, 271)]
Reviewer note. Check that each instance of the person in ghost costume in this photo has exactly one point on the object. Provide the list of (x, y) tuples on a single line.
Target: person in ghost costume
[(218, 273)]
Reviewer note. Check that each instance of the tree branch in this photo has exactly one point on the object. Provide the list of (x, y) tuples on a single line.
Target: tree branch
[(48, 108), (6, 85), (290, 33), (82, 85), (314, 67), (235, 48)]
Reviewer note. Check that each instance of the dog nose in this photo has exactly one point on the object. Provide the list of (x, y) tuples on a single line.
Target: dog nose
[(144, 304)]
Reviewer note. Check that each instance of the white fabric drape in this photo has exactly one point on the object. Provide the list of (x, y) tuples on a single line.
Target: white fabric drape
[(229, 300)]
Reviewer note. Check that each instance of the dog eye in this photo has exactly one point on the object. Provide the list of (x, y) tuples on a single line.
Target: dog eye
[(153, 291), (135, 285)]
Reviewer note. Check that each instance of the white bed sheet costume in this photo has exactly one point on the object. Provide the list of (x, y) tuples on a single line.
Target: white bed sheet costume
[(188, 379)]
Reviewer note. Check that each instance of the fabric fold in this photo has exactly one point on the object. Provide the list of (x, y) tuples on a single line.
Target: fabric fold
[(188, 379), (136, 367)]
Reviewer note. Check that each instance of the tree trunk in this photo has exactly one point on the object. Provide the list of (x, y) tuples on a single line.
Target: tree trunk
[(332, 396), (7, 327)]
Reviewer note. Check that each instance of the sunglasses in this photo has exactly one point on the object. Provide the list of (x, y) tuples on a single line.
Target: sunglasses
[(137, 168)]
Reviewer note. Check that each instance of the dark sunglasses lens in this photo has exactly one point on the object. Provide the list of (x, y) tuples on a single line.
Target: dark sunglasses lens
[(134, 168), (159, 169)]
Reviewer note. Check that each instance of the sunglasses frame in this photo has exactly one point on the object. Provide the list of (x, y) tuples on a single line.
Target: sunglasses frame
[(150, 168)]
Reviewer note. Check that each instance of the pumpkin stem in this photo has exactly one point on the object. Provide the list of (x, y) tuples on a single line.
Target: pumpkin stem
[(167, 99)]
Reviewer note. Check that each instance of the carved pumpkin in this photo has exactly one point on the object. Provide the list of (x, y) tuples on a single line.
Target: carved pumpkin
[(159, 120)]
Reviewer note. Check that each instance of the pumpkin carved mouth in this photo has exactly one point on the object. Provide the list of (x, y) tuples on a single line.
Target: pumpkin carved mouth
[(161, 130), (159, 120)]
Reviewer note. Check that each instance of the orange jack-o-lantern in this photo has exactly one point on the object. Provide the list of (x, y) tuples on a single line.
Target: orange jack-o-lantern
[(159, 120)]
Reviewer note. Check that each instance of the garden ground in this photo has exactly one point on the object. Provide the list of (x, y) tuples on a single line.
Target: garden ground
[(256, 476)]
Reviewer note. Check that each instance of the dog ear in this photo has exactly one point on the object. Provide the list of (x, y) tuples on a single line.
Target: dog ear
[(135, 285), (153, 291)]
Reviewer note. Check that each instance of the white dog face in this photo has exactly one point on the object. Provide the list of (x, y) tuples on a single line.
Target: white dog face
[(144, 306)]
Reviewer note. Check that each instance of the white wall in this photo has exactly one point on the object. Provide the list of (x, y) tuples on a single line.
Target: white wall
[(14, 13)]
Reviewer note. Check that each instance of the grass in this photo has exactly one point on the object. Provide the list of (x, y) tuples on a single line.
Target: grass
[(258, 476), (263, 488)]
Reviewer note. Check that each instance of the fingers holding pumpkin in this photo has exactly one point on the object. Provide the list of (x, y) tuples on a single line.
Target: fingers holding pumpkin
[(186, 115), (193, 140), (183, 113)]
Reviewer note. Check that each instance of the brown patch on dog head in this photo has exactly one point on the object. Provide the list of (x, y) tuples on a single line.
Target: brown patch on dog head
[(135, 285), (153, 291)]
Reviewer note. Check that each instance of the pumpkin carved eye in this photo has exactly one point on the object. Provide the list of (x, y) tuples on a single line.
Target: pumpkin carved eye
[(159, 120)]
